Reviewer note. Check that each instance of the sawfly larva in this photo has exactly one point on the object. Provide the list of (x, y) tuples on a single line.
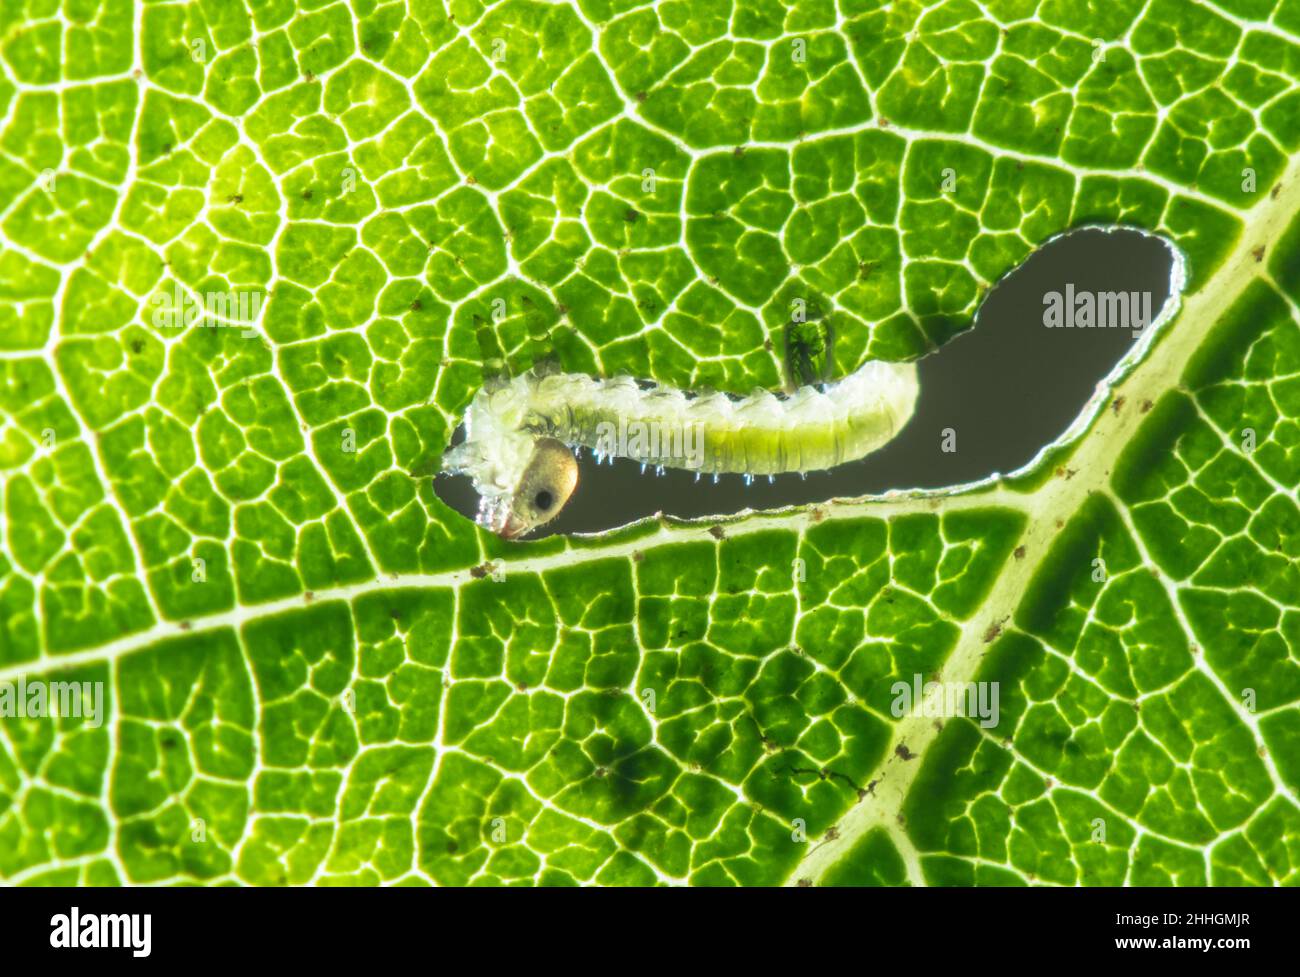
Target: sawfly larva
[(521, 432)]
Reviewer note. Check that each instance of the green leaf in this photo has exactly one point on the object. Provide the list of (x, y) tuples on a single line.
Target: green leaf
[(313, 671)]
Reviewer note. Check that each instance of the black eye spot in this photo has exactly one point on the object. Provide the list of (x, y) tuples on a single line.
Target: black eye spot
[(543, 500)]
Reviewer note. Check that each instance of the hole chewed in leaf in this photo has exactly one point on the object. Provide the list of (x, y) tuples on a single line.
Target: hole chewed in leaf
[(1030, 373)]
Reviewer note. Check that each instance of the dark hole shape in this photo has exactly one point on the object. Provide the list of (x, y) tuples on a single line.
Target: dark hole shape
[(1007, 388)]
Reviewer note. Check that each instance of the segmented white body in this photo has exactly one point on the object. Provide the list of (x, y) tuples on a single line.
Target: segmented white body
[(761, 434)]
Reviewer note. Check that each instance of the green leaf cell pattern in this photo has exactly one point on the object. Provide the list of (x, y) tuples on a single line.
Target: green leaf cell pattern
[(315, 672)]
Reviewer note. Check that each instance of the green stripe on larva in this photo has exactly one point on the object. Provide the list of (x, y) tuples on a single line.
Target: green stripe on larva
[(761, 434)]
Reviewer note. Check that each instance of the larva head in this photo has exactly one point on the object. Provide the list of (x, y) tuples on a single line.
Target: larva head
[(523, 481), (547, 483)]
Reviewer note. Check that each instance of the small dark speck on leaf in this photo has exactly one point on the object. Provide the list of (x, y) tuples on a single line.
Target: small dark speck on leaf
[(1258, 254), (1019, 553), (717, 532), (903, 752)]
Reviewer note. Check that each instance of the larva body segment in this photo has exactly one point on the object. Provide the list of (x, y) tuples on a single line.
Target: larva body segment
[(758, 435), (709, 433)]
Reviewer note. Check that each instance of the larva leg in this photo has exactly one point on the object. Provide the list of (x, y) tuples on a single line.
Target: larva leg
[(491, 355), (809, 352)]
